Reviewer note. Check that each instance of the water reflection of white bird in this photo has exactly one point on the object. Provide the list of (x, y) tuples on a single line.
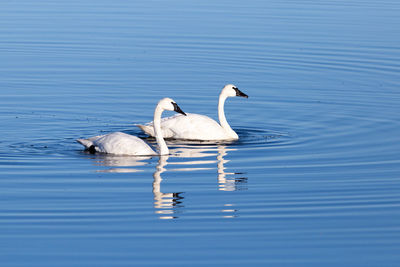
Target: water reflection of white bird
[(164, 203), (199, 127), (120, 163), (195, 153), (188, 158), (225, 182)]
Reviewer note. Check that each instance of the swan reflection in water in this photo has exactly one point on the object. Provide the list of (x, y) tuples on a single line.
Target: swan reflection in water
[(230, 183), (168, 204), (120, 163), (164, 203), (226, 180), (189, 158)]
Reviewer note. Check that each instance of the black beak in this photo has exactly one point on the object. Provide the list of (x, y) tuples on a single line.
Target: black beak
[(178, 109), (240, 93)]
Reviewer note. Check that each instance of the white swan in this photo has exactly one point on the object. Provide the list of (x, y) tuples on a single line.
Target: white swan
[(199, 127), (125, 144)]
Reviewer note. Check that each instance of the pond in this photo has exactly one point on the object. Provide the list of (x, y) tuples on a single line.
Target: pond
[(314, 179)]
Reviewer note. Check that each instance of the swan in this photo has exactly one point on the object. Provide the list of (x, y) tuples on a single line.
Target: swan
[(199, 127), (124, 144)]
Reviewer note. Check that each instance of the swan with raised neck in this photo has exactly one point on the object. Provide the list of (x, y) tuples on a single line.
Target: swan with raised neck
[(199, 127)]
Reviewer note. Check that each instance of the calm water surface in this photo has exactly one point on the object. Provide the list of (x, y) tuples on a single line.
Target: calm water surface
[(313, 181)]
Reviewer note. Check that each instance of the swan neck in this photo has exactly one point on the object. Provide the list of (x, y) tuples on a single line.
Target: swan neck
[(162, 162), (163, 149), (221, 168), (221, 115)]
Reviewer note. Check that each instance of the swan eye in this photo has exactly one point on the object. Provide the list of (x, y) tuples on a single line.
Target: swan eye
[(175, 105)]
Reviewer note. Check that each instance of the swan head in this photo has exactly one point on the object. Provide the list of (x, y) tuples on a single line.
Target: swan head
[(232, 90), (170, 104)]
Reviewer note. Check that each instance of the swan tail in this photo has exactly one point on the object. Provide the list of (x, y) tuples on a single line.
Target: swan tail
[(85, 142), (148, 129), (166, 124), (88, 142)]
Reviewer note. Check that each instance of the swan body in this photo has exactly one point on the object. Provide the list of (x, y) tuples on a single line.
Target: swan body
[(124, 144), (199, 127), (118, 143), (190, 127)]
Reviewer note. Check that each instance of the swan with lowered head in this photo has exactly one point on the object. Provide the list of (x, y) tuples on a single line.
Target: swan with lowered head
[(199, 127), (125, 144)]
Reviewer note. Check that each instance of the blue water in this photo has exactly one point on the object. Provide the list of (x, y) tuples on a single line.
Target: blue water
[(314, 179)]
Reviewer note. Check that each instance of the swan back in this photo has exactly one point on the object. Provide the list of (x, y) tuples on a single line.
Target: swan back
[(118, 143)]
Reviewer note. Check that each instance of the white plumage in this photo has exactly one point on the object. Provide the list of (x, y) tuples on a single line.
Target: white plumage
[(199, 127), (125, 144), (118, 143)]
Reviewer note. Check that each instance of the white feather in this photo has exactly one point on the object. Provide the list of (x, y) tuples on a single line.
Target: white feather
[(125, 144), (195, 126)]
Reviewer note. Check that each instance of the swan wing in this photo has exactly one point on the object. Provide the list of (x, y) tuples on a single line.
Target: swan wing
[(196, 127), (118, 143), (123, 144)]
